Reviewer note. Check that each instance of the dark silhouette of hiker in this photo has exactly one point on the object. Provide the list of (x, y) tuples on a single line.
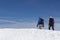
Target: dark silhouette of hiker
[(40, 23), (51, 23)]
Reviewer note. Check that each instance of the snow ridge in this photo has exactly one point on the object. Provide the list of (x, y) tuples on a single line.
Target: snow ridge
[(29, 34)]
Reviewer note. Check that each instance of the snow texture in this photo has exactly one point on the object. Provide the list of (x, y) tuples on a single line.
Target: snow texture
[(29, 34)]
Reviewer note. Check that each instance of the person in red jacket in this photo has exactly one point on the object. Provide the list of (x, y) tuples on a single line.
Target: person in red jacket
[(51, 22)]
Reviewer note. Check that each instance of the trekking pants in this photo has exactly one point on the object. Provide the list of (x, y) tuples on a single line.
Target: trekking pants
[(51, 26), (40, 26)]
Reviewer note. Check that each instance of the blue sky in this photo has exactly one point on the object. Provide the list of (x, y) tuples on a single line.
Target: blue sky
[(28, 11), (29, 8)]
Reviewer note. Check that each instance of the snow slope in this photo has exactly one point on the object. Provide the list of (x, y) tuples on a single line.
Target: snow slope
[(29, 34)]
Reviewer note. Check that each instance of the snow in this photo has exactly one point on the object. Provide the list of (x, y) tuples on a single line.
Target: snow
[(29, 34)]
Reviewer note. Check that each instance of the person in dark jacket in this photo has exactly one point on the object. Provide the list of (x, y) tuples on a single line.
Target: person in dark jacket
[(51, 22), (40, 23)]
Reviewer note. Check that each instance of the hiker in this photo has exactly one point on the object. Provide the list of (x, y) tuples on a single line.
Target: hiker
[(40, 23), (51, 23)]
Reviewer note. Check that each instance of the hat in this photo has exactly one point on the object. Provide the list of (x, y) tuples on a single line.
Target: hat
[(51, 17)]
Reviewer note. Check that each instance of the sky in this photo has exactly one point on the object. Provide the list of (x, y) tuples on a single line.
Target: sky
[(28, 11), (29, 8)]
